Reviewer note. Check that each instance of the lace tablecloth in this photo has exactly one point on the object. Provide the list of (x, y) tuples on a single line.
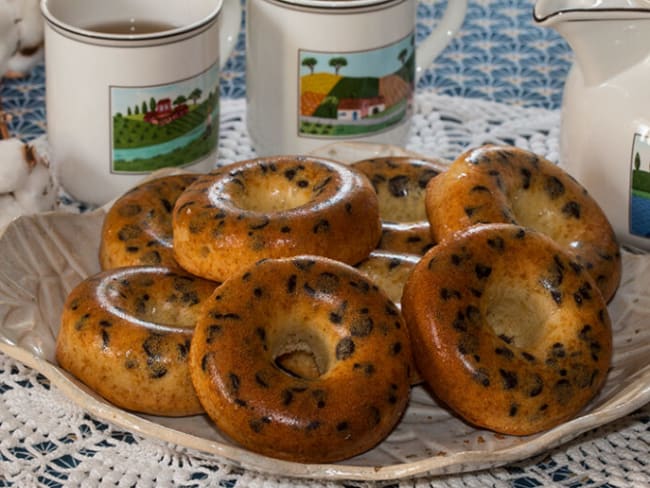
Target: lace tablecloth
[(46, 440)]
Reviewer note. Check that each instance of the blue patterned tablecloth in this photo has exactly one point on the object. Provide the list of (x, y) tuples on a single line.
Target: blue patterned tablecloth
[(499, 56)]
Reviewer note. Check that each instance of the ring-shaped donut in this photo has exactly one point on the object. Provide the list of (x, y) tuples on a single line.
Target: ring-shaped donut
[(319, 306), (400, 183), (274, 207), (507, 328), (126, 334), (510, 185), (137, 229), (389, 271)]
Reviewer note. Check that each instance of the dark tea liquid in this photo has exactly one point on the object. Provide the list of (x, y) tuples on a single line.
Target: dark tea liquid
[(130, 27)]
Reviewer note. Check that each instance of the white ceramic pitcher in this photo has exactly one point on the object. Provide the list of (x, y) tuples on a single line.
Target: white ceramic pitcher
[(605, 133)]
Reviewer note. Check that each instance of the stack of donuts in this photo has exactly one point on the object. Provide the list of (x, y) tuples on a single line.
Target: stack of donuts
[(295, 300)]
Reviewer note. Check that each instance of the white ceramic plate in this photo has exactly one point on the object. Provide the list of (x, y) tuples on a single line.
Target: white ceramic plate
[(43, 257)]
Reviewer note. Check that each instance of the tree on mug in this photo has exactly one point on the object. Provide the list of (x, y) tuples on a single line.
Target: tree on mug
[(337, 63), (310, 63)]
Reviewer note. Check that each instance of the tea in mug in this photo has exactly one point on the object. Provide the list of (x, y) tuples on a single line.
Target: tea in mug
[(130, 27)]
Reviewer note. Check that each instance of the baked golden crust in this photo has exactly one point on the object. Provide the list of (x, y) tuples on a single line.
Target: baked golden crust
[(317, 306), (507, 328), (510, 185), (409, 238), (389, 271), (271, 208), (137, 229), (126, 334), (400, 183)]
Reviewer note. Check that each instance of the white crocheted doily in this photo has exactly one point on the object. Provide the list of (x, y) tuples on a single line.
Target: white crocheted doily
[(442, 126), (47, 440)]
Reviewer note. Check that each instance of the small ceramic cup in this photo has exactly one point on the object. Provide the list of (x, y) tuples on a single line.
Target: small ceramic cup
[(132, 87), (323, 71)]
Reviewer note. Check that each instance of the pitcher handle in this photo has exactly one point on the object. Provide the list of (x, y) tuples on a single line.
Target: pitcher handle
[(440, 36), (229, 28)]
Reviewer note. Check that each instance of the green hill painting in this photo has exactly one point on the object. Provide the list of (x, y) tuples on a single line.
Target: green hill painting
[(640, 187), (169, 125)]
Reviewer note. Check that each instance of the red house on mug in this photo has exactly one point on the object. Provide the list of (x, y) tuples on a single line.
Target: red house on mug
[(165, 112), (359, 108)]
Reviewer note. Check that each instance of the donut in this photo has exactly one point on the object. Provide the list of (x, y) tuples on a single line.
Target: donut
[(389, 271), (137, 229), (271, 208), (126, 334), (508, 328), (510, 185), (321, 307), (409, 238), (400, 183)]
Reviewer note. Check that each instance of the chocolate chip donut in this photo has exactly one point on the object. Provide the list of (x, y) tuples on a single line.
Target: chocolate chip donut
[(400, 184), (126, 334), (137, 229), (509, 185), (508, 328), (271, 208), (389, 271), (321, 307)]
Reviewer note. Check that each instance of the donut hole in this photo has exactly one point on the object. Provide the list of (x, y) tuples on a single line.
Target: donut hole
[(166, 314), (300, 354), (270, 194), (532, 209), (147, 307), (516, 315)]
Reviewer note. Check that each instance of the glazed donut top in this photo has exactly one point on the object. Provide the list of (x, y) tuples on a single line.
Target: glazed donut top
[(510, 185), (290, 185), (152, 296), (126, 333), (319, 306), (507, 328), (271, 208)]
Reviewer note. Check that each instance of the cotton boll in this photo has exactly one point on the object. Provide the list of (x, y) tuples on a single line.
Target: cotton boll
[(8, 34), (21, 63), (38, 194), (30, 24), (13, 167), (27, 185), (29, 50)]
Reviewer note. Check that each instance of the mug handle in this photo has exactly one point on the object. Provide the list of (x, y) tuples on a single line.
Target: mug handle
[(440, 36), (229, 29)]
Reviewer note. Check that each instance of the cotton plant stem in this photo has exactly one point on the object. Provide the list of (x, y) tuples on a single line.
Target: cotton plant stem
[(4, 118)]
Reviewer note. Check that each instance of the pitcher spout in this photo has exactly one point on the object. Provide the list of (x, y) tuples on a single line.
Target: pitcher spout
[(607, 37)]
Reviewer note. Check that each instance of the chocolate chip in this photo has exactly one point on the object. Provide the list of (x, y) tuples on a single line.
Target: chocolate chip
[(509, 379), (482, 271), (554, 187), (571, 209), (361, 326), (345, 348)]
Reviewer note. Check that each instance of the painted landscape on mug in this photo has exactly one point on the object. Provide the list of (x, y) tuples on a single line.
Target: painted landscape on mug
[(640, 191), (163, 126), (356, 93)]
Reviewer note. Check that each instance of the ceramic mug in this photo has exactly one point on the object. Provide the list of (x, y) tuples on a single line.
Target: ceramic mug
[(132, 87), (320, 71)]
